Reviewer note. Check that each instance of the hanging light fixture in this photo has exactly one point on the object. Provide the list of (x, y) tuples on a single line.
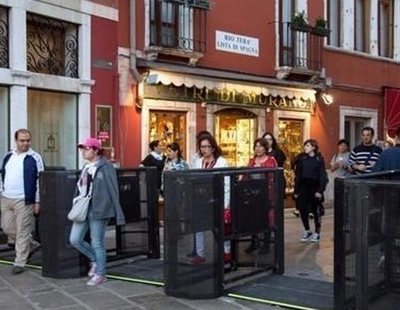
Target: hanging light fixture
[(327, 98)]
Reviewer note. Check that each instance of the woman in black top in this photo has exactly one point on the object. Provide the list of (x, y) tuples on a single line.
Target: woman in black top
[(155, 159), (310, 184)]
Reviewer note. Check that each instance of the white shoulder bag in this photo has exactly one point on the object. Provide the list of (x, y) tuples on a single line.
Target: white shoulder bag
[(80, 207)]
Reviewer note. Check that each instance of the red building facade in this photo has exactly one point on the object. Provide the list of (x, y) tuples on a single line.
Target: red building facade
[(241, 69)]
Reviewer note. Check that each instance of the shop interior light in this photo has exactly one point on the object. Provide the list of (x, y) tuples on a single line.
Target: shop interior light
[(327, 99)]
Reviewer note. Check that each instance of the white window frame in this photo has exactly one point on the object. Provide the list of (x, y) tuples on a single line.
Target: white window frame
[(349, 111)]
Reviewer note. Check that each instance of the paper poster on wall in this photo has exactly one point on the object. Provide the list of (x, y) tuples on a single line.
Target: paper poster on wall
[(104, 125)]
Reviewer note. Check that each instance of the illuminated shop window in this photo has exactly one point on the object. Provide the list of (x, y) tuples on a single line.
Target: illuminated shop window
[(235, 131), (168, 127)]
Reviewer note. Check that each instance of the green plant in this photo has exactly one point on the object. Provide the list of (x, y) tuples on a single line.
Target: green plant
[(320, 22), (299, 21), (321, 27)]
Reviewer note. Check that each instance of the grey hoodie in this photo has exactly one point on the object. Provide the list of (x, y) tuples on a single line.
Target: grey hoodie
[(105, 193)]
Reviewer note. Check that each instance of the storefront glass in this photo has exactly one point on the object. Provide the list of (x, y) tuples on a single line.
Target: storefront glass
[(52, 119), (290, 139), (4, 136), (168, 127), (235, 131)]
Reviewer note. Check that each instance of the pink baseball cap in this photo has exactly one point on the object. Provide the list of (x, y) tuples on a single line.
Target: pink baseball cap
[(91, 142)]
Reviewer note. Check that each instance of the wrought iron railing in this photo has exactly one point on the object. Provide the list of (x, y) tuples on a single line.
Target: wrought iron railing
[(52, 46), (178, 24), (300, 48), (4, 48)]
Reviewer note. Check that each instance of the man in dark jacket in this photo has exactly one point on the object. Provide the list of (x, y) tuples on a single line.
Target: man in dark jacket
[(390, 158), (20, 196)]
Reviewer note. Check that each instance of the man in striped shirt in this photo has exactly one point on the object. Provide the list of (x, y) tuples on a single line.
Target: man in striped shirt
[(364, 156)]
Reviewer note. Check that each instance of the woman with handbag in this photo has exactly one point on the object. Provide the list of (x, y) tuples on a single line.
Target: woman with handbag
[(98, 181)]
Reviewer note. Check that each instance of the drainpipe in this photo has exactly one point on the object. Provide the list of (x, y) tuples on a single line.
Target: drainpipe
[(132, 27)]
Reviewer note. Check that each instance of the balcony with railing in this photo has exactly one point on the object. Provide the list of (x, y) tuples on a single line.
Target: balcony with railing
[(300, 54), (178, 28)]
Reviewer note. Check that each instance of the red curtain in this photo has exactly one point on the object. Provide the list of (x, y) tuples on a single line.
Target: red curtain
[(392, 110)]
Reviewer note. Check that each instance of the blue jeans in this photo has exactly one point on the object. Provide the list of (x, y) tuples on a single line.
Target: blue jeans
[(95, 251)]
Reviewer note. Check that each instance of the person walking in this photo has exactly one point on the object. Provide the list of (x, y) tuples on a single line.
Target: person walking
[(20, 196), (263, 159), (197, 155), (276, 152), (390, 158), (340, 160), (155, 159), (209, 158), (310, 183), (174, 160), (364, 156), (98, 179), (274, 149)]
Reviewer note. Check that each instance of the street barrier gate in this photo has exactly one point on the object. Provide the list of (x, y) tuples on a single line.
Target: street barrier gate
[(140, 235), (367, 241), (220, 211)]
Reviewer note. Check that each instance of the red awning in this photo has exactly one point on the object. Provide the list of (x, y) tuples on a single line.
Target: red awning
[(392, 110)]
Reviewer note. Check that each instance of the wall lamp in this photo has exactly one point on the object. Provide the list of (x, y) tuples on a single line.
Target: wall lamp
[(326, 98)]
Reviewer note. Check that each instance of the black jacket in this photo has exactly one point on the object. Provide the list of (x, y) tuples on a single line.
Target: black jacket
[(310, 168)]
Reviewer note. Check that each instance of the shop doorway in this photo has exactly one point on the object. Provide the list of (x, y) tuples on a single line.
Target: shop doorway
[(52, 119), (235, 131), (168, 127), (290, 139)]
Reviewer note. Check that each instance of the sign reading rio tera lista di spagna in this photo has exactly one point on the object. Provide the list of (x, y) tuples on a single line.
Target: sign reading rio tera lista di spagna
[(225, 96)]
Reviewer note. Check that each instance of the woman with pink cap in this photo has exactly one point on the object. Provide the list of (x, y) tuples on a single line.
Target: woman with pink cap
[(98, 179)]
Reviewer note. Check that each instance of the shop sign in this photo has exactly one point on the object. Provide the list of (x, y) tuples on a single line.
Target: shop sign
[(225, 96), (104, 125), (234, 43)]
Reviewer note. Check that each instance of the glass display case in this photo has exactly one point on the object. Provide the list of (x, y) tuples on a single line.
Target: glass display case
[(168, 127), (235, 131), (290, 139)]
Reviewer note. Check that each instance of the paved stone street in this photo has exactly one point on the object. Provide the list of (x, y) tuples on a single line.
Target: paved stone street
[(32, 291)]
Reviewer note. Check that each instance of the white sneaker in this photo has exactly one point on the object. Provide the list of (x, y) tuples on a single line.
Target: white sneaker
[(96, 280), (315, 238), (92, 269), (307, 236)]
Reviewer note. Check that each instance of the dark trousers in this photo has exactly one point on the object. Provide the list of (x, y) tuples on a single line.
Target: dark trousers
[(308, 203)]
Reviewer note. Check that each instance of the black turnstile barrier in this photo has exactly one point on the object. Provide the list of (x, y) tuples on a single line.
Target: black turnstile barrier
[(140, 235), (59, 259), (220, 210), (367, 242), (139, 201)]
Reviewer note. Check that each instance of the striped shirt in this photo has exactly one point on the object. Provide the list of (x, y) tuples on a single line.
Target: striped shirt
[(364, 155)]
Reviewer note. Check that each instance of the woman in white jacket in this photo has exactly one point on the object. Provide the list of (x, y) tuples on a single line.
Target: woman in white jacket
[(209, 158)]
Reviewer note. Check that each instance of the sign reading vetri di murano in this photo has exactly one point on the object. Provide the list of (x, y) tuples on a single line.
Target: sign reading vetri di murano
[(225, 96)]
